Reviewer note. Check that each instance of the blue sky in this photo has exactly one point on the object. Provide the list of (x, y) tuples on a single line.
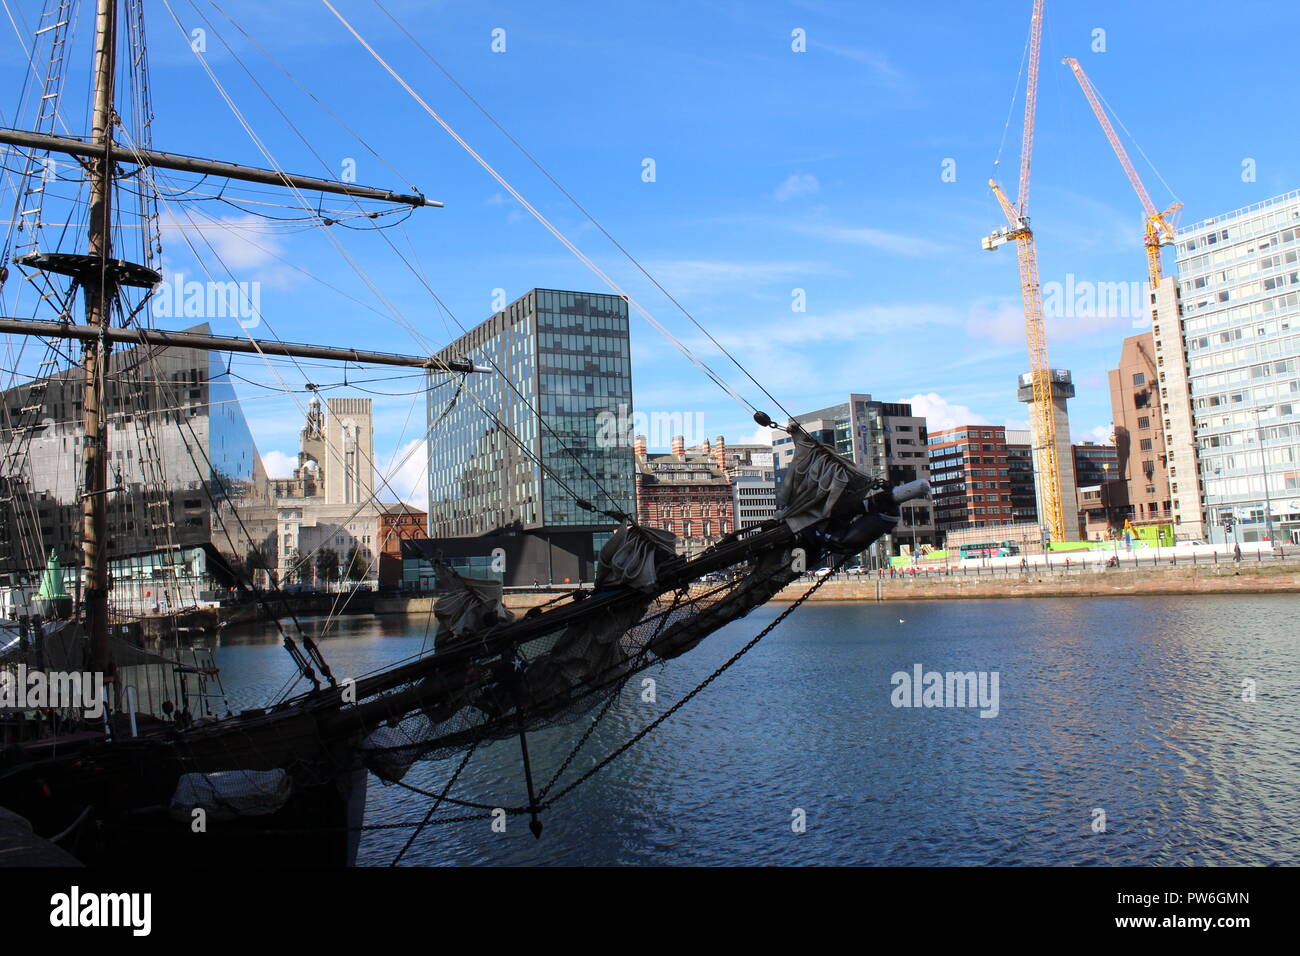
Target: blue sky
[(774, 171)]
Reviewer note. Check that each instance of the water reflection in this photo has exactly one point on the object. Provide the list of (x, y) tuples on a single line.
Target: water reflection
[(1131, 706)]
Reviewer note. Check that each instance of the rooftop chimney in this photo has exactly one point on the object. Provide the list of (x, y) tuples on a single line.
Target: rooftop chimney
[(639, 446), (720, 453), (679, 446)]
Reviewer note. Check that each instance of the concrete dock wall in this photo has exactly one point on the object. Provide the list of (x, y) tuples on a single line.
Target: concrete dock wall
[(1227, 577)]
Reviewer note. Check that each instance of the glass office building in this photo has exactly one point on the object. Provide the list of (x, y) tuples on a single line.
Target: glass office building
[(563, 396), (1239, 281), (181, 461)]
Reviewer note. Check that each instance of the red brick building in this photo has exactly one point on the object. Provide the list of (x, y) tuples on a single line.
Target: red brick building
[(969, 476), (686, 492), (397, 523)]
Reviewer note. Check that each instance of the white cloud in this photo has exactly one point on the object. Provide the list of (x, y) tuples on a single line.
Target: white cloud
[(241, 242), (710, 273), (800, 330), (940, 413), (1003, 324), (278, 464), (1101, 435), (881, 239), (407, 473), (796, 185), (763, 436)]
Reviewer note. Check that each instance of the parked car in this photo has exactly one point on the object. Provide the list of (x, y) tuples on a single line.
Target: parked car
[(822, 572)]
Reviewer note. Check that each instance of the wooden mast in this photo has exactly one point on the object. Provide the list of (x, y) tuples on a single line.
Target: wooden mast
[(101, 277), (101, 292)]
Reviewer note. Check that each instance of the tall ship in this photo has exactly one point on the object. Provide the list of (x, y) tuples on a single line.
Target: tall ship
[(131, 493)]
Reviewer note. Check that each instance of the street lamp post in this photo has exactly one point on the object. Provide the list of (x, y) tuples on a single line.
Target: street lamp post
[(1106, 510), (1263, 462)]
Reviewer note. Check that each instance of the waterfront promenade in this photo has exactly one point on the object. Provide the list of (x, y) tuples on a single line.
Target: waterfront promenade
[(1138, 573)]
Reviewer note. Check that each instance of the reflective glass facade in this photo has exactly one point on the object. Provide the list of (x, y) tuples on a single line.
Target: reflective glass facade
[(567, 358), (1239, 280), (181, 458)]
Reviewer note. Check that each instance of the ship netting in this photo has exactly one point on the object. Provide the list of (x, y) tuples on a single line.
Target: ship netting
[(565, 673)]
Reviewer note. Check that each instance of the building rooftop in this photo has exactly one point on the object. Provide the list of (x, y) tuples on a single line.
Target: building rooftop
[(1238, 213)]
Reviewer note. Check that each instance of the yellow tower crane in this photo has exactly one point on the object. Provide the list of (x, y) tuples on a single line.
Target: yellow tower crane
[(1160, 226), (1017, 229)]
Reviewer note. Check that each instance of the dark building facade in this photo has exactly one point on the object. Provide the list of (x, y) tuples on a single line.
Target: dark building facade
[(516, 560), (1140, 488), (1020, 471), (567, 401), (1096, 468)]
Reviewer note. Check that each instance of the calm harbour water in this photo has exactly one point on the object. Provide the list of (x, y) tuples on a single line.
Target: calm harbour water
[(1130, 706)]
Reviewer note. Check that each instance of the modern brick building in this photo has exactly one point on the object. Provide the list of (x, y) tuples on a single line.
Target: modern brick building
[(1140, 489), (970, 476), (396, 523)]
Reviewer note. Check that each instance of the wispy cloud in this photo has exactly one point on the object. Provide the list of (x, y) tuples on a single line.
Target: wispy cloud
[(406, 471), (877, 64), (709, 274), (1003, 323), (841, 325), (881, 239), (246, 246), (796, 185), (1101, 434)]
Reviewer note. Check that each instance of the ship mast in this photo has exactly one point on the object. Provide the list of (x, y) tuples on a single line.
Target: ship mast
[(100, 285), (101, 278)]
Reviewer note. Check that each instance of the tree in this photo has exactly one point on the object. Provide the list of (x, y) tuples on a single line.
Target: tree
[(327, 565), (357, 564)]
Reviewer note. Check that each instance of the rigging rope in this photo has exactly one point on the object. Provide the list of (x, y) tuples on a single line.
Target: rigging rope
[(536, 214), (582, 209)]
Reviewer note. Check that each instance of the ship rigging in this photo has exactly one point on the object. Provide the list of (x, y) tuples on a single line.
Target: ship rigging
[(296, 768)]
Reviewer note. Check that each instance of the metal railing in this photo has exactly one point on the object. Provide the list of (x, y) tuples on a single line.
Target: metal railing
[(1060, 564)]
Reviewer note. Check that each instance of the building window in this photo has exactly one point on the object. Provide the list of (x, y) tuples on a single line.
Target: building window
[(1139, 378)]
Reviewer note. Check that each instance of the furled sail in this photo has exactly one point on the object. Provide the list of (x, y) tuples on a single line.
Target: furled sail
[(631, 556), (817, 482), (470, 606)]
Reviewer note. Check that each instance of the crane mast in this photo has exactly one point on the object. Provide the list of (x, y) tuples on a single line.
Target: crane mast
[(1159, 226), (1018, 230)]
